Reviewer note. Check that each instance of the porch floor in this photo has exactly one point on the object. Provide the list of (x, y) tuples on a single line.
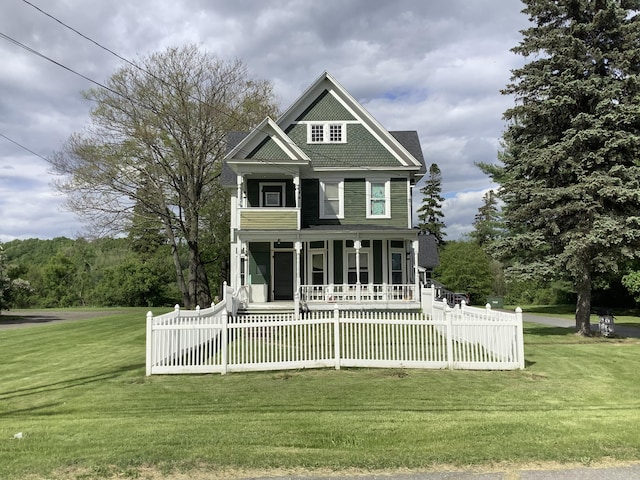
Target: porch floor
[(287, 306)]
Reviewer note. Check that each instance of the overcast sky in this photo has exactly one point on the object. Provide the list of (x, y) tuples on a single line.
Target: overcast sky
[(434, 66)]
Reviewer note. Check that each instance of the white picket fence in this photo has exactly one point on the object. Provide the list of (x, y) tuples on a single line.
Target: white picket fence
[(212, 341)]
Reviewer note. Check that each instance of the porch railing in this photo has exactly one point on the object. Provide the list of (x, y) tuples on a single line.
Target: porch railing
[(355, 293)]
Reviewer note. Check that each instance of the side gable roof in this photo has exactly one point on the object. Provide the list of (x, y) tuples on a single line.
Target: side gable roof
[(326, 83)]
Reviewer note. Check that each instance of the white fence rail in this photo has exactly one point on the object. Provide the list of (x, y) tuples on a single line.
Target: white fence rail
[(211, 341), (358, 293)]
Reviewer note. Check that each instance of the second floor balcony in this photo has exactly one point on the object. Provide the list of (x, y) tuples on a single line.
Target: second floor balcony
[(265, 218)]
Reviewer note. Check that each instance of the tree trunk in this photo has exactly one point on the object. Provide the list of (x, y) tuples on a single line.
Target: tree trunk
[(199, 291), (175, 253), (583, 304)]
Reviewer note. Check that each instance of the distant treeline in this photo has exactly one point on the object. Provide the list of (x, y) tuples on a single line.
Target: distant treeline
[(104, 272)]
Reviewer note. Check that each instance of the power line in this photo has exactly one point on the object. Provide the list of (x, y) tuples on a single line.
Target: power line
[(23, 147), (151, 74), (143, 70), (82, 34), (42, 55)]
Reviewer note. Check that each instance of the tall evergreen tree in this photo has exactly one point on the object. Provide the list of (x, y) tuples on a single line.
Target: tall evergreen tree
[(430, 212), (571, 175), (486, 224)]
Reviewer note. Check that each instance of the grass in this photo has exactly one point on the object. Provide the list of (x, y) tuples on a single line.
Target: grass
[(78, 393)]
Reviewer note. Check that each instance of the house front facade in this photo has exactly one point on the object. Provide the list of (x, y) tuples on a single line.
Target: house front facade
[(321, 206)]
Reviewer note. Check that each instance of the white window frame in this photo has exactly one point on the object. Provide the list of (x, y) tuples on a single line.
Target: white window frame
[(283, 192), (326, 132), (387, 197), (403, 261), (327, 215), (367, 266)]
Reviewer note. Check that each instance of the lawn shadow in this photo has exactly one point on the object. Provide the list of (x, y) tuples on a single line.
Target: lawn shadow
[(28, 319), (546, 331), (69, 383)]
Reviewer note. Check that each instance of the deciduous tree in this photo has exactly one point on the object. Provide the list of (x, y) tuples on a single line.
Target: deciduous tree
[(155, 142), (465, 267), (571, 177)]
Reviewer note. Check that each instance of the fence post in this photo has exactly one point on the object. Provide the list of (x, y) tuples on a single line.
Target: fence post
[(519, 338), (487, 308), (296, 305), (336, 335), (224, 350), (448, 318), (149, 342)]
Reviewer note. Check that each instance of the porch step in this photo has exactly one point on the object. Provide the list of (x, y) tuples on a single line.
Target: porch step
[(269, 307)]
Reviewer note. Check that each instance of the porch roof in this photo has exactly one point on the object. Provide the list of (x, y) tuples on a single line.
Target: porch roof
[(331, 232)]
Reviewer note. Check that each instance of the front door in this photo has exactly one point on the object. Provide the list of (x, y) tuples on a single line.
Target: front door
[(282, 275)]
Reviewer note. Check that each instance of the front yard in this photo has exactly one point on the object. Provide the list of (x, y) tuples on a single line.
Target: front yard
[(78, 393)]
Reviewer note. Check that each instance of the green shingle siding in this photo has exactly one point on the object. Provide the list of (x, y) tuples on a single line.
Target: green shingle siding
[(267, 150), (355, 208), (361, 149), (325, 107)]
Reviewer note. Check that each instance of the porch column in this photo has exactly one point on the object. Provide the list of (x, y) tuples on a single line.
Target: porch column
[(296, 292), (357, 245), (296, 184), (239, 182), (415, 246)]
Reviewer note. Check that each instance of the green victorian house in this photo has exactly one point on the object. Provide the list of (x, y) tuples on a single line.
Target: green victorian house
[(321, 209)]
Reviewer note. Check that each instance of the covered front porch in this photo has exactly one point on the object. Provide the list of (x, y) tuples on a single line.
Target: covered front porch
[(318, 269)]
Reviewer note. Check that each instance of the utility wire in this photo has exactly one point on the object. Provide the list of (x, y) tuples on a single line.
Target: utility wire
[(23, 147), (229, 115), (151, 74), (42, 55)]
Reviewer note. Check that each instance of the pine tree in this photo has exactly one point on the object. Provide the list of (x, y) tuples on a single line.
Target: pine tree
[(430, 213), (486, 224), (571, 176)]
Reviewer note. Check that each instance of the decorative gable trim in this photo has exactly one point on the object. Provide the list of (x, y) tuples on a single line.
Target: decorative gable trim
[(329, 84), (267, 129)]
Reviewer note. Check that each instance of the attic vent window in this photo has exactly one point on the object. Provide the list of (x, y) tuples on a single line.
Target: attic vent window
[(317, 133), (335, 133), (327, 132)]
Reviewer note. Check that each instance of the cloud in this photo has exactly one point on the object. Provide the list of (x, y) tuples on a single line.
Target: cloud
[(434, 66)]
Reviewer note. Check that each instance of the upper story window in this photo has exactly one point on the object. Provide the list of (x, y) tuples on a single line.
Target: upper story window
[(326, 132), (378, 199), (332, 199), (272, 194)]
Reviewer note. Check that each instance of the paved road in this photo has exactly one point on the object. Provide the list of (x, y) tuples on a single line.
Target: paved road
[(627, 472)]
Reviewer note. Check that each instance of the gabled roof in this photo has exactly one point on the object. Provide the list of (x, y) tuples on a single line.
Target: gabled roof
[(326, 83), (268, 130)]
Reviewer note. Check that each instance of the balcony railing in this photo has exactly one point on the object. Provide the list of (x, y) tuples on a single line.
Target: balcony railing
[(269, 218), (344, 293)]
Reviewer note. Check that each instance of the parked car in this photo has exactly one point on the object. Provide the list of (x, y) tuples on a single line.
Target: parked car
[(459, 297)]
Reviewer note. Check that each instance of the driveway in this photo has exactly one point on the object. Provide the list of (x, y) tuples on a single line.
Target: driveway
[(620, 330)]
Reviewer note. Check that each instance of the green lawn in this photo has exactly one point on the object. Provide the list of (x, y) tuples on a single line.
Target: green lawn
[(78, 393)]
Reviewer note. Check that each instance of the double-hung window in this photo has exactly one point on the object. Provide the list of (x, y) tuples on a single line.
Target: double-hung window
[(378, 199), (326, 132), (331, 199)]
